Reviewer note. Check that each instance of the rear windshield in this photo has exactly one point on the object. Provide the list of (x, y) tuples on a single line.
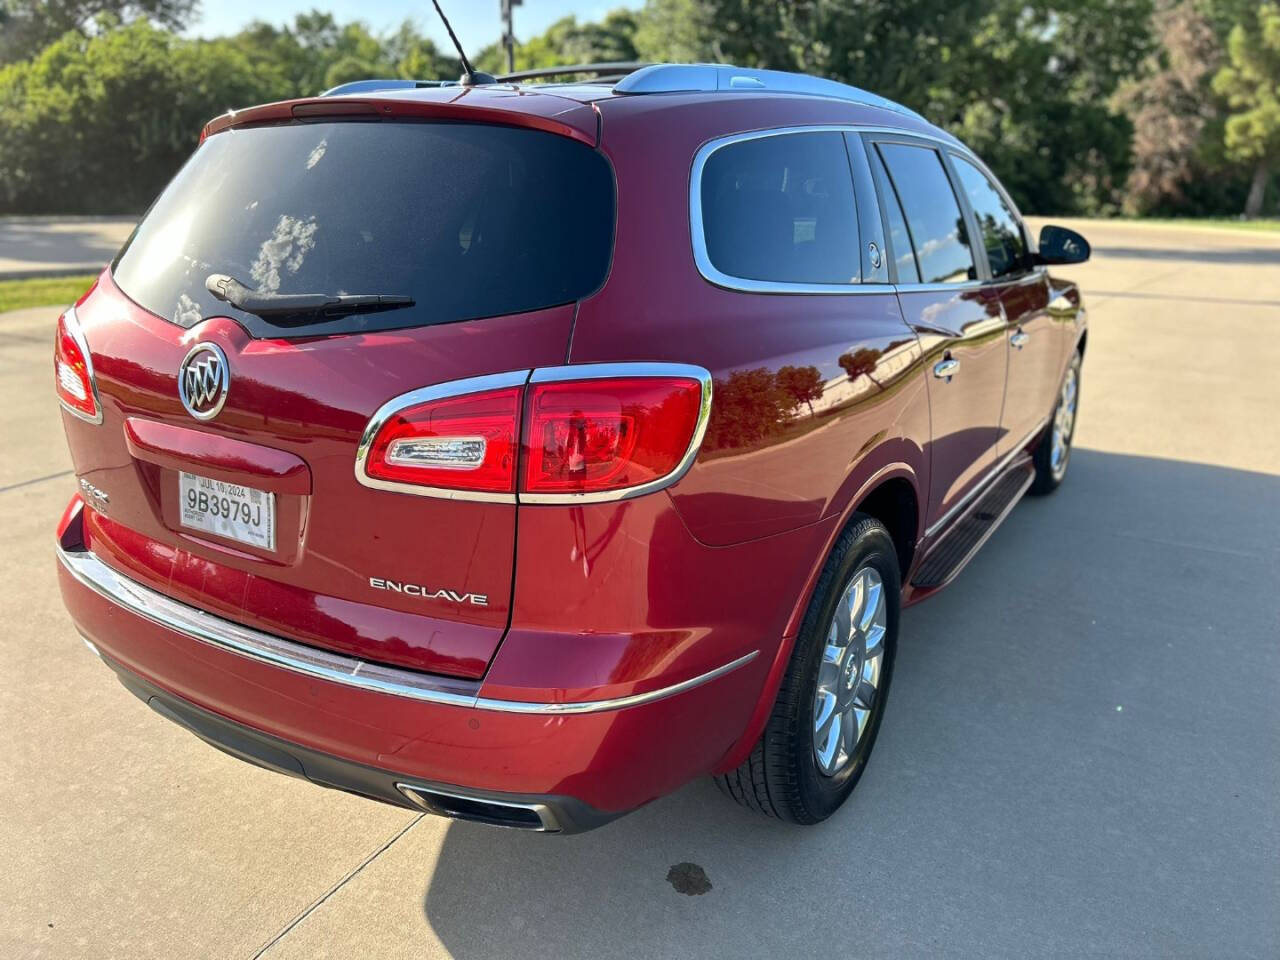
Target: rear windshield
[(469, 220)]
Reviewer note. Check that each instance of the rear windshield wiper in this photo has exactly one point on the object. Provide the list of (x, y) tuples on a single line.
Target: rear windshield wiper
[(232, 291)]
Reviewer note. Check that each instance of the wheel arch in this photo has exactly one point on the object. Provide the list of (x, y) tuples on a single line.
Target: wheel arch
[(886, 492)]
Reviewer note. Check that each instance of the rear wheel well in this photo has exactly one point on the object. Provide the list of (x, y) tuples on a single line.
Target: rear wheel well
[(894, 504)]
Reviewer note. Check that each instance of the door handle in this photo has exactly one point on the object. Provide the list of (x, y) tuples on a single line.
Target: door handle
[(946, 368), (1019, 339)]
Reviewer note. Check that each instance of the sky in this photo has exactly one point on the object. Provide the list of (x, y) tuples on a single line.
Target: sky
[(476, 22)]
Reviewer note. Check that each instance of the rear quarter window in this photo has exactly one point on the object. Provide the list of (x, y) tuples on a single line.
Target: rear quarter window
[(470, 220), (780, 209)]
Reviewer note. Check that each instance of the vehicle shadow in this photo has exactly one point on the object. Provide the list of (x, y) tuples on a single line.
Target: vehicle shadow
[(1196, 254), (1080, 755)]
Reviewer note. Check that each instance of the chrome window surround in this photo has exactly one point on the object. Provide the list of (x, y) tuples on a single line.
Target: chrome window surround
[(338, 668), (73, 328), (720, 279), (585, 371)]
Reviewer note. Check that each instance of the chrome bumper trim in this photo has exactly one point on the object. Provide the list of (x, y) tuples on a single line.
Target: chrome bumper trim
[(324, 665)]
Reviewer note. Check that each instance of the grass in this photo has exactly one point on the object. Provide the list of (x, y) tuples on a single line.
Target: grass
[(43, 291), (1261, 225), (1264, 225)]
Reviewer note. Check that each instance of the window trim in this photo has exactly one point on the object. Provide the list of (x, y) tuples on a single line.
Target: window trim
[(869, 134), (942, 150), (697, 229)]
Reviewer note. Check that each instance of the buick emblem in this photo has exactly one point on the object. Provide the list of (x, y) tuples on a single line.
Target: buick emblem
[(203, 381)]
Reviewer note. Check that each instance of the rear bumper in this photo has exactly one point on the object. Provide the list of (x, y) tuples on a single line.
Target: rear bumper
[(369, 729), (549, 814)]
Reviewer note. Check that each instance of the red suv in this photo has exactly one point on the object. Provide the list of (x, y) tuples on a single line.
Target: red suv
[(521, 452)]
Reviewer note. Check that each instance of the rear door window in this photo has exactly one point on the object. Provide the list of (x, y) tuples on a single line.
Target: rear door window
[(934, 220), (904, 257), (780, 209), (1001, 233), (470, 220)]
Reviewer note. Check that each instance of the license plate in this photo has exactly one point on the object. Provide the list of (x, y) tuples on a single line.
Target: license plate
[(229, 510)]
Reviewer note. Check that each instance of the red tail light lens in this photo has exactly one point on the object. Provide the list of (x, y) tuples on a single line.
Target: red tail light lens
[(73, 370), (599, 436), (454, 443)]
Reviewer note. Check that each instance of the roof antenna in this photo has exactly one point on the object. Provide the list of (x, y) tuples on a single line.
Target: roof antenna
[(470, 76)]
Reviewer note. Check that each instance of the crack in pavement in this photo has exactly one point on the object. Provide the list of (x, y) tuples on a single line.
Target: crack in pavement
[(351, 875), (27, 483)]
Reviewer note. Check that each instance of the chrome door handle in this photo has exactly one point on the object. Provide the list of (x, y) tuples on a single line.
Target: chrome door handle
[(946, 369), (1019, 340)]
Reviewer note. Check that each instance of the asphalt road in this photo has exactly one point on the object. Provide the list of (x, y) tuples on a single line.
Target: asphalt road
[(42, 246), (1081, 755)]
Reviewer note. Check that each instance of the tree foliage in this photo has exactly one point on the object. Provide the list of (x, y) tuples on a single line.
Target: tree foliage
[(28, 26), (1170, 104), (99, 123), (568, 42), (1080, 106), (1251, 83)]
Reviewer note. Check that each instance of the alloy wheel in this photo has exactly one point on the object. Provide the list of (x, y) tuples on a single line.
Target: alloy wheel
[(849, 675), (1064, 419)]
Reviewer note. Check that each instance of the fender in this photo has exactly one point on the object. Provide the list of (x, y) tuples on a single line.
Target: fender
[(773, 680)]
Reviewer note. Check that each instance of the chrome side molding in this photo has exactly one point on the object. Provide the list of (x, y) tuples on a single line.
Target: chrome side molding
[(338, 668)]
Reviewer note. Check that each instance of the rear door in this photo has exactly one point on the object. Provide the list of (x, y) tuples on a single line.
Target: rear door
[(960, 323), (1035, 346), (492, 232)]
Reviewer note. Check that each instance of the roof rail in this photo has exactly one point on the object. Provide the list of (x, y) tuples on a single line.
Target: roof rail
[(356, 87), (713, 77), (610, 68)]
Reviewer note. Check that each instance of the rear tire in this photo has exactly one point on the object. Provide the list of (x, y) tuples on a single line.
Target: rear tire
[(1053, 453), (786, 775)]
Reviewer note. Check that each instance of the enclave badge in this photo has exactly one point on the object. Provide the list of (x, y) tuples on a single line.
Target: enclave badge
[(418, 590), (203, 381)]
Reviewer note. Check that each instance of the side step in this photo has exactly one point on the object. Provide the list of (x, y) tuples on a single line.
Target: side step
[(970, 532)]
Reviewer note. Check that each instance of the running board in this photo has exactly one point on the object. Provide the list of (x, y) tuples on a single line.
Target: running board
[(970, 532)]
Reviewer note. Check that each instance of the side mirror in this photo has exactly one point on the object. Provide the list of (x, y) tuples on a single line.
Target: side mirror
[(1059, 245)]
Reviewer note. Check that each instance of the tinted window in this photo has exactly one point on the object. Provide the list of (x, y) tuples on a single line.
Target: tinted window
[(933, 214), (1001, 235), (781, 208), (904, 257), (469, 220)]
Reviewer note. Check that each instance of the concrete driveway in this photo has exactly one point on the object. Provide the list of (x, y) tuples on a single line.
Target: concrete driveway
[(1081, 755)]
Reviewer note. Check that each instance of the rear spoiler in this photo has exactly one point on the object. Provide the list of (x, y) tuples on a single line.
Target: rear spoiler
[(503, 105)]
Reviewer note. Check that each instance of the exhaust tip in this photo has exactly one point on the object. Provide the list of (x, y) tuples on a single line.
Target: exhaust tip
[(499, 813)]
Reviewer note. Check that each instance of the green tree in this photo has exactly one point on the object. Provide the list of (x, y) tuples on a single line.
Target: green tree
[(27, 26), (99, 123), (1250, 81), (567, 42), (1025, 82)]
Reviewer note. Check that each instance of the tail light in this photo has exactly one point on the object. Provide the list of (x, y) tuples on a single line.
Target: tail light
[(73, 370), (606, 435), (590, 433), (456, 439)]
